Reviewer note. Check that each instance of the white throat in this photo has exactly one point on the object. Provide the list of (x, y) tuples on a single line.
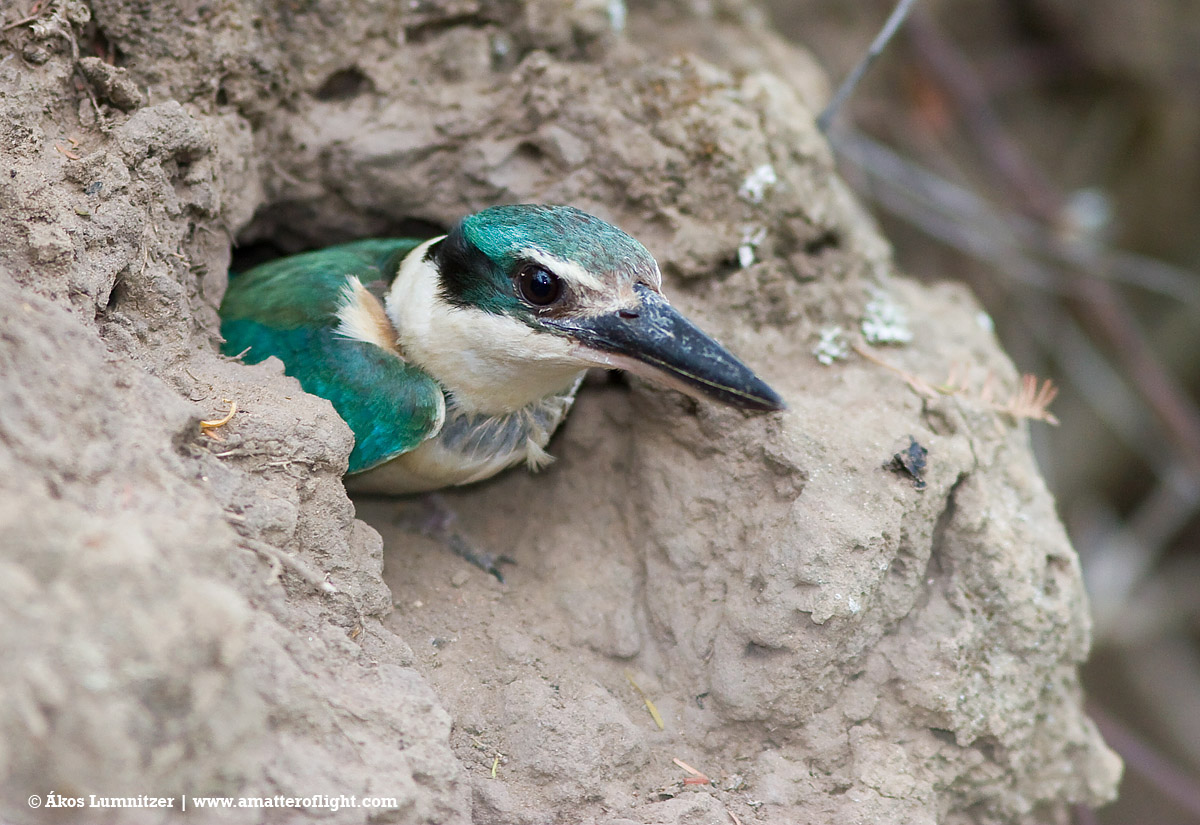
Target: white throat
[(490, 363)]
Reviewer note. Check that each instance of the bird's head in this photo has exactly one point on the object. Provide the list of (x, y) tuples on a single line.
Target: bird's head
[(532, 294)]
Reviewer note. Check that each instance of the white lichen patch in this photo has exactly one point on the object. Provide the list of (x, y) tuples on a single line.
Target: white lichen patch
[(752, 236), (832, 346), (617, 14), (884, 321), (756, 185)]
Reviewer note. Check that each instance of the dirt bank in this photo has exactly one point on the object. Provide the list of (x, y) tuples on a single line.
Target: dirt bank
[(183, 613)]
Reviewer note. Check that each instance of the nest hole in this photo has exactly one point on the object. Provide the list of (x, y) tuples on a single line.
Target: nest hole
[(278, 232)]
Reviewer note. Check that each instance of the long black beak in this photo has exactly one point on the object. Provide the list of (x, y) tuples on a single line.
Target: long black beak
[(654, 335)]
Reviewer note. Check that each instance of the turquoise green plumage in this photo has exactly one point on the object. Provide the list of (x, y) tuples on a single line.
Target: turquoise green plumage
[(288, 308), (453, 358)]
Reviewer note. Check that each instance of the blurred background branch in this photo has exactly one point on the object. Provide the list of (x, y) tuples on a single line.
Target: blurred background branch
[(1043, 151)]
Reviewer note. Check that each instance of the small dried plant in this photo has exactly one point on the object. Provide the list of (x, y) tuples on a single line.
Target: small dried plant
[(1031, 401)]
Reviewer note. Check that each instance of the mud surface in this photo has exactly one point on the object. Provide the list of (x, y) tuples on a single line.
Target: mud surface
[(184, 613)]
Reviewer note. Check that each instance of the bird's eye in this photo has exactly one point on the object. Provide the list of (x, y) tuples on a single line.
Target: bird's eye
[(538, 285)]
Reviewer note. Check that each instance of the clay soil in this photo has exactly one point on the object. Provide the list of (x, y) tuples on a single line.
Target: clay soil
[(192, 611)]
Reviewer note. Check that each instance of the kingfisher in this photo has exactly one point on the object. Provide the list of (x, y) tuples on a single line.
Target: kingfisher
[(456, 357)]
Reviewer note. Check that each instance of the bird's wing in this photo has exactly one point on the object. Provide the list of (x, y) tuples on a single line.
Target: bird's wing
[(289, 308)]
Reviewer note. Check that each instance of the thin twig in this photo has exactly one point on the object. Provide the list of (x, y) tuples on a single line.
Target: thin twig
[(956, 74), (1120, 563), (918, 385), (1162, 390), (1148, 763), (1019, 247), (696, 778), (895, 19), (654, 714), (1031, 400), (277, 556), (221, 422), (21, 22), (35, 12), (1098, 301), (1109, 317)]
